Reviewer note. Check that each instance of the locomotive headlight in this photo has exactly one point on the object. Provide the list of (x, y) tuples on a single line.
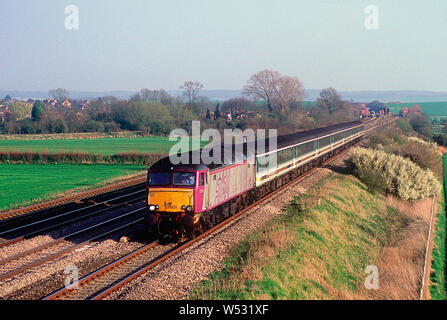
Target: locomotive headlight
[(152, 208), (189, 209), (183, 207)]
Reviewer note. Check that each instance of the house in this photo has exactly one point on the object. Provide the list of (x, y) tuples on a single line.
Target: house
[(4, 112), (66, 103), (50, 103)]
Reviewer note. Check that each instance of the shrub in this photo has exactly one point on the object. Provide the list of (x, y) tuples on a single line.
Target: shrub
[(421, 124), (385, 137), (403, 125), (393, 174), (421, 152), (441, 139), (434, 146)]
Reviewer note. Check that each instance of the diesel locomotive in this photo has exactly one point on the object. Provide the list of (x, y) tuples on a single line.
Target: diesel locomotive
[(184, 200)]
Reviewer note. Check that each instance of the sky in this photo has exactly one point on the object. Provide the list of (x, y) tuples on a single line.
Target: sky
[(134, 44)]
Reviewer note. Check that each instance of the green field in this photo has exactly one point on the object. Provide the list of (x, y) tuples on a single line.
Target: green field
[(432, 109), (24, 184), (106, 146)]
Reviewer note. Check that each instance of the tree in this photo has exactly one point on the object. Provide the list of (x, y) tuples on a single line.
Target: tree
[(161, 96), (415, 110), (59, 94), (191, 91), (238, 103), (263, 86), (7, 98), (289, 90), (279, 91), (52, 122), (136, 97), (37, 111), (421, 124), (27, 127), (153, 118), (20, 110), (217, 111), (330, 100), (208, 114), (108, 99)]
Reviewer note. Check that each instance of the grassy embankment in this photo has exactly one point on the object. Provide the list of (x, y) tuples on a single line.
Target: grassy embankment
[(320, 248), (438, 289)]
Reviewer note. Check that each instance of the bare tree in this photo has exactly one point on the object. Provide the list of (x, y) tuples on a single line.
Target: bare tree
[(109, 99), (288, 90), (59, 94), (136, 97), (161, 96), (191, 91), (277, 90), (330, 100), (240, 103), (146, 94), (262, 85)]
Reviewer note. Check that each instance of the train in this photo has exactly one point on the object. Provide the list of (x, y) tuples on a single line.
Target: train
[(184, 200)]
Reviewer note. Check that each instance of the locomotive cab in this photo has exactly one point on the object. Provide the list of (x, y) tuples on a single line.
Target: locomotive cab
[(175, 198)]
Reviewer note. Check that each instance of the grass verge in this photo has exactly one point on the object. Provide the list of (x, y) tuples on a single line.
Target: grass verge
[(438, 290), (320, 247)]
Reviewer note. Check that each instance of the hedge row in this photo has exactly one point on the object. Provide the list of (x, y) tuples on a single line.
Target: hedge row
[(394, 174), (78, 158)]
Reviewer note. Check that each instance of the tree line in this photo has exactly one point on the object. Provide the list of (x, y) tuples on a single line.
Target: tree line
[(269, 100)]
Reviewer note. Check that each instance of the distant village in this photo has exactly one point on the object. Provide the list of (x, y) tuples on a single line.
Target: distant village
[(224, 111), (47, 104)]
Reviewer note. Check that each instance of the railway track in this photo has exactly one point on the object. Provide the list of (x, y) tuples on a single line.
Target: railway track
[(108, 279), (19, 228), (52, 250), (13, 225), (39, 226)]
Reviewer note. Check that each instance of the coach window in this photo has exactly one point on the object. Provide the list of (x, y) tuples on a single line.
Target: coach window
[(201, 179)]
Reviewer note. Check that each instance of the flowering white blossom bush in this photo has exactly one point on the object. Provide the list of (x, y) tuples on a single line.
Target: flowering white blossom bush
[(428, 143), (395, 174)]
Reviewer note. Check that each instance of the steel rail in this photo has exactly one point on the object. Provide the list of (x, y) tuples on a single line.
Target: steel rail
[(102, 271)]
